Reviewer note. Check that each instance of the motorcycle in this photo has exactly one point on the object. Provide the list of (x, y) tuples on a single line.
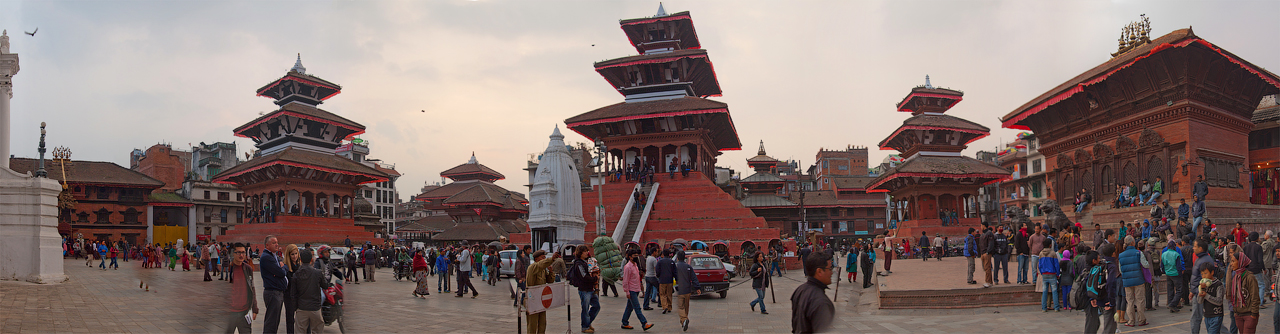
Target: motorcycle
[(331, 308), (402, 270)]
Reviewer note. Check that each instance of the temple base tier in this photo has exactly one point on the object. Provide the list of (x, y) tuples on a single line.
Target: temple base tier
[(300, 230)]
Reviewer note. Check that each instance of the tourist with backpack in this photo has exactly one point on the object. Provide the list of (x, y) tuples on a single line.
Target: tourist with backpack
[(1091, 292), (1109, 285), (581, 275)]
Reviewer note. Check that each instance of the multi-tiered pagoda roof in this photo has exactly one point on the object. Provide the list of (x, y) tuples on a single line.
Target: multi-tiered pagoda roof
[(933, 142)]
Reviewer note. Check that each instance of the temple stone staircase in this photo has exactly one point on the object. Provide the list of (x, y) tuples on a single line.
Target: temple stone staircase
[(692, 208), (636, 219)]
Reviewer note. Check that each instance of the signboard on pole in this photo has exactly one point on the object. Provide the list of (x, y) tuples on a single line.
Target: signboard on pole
[(544, 297)]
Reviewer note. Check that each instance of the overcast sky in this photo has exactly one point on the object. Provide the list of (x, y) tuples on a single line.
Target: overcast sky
[(494, 77)]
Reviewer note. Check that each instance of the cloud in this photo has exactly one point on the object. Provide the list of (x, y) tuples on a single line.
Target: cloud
[(495, 76)]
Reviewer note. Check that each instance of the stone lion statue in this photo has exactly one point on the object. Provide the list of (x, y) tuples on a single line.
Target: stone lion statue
[(1054, 216), (1017, 217)]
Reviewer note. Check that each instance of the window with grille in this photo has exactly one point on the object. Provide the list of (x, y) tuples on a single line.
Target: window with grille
[(104, 216)]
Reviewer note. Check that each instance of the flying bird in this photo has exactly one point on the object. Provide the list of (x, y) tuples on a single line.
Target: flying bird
[(424, 110), (33, 33)]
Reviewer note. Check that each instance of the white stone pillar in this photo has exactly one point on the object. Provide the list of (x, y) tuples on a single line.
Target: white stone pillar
[(151, 225), (30, 247), (191, 224), (8, 68)]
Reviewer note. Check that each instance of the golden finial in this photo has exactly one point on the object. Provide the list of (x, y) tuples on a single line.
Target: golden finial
[(1133, 35)]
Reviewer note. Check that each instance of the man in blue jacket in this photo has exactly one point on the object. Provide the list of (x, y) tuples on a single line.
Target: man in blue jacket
[(274, 283), (687, 285), (1131, 264), (442, 267), (970, 252)]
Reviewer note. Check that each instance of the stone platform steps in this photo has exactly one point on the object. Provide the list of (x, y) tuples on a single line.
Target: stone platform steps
[(1000, 295)]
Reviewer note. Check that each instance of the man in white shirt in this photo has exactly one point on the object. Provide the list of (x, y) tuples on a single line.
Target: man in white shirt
[(938, 247), (464, 273), (651, 279)]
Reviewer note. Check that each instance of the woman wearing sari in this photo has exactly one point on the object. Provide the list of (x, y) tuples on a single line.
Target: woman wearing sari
[(186, 260), (173, 257), (420, 271)]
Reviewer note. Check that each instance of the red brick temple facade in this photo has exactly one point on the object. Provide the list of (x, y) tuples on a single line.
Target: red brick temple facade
[(667, 118), (1176, 107), (296, 187), (935, 179)]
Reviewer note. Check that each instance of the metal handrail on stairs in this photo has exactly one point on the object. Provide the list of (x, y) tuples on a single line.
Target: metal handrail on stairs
[(626, 215), (653, 193)]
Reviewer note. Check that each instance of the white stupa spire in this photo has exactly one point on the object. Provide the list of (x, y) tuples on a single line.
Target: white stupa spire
[(555, 134), (473, 158), (926, 82), (297, 66), (661, 12)]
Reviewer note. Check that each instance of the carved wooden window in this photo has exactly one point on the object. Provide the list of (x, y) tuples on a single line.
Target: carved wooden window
[(1086, 181), (1155, 167), (103, 193), (1222, 173), (1130, 174), (1064, 191), (130, 216), (1108, 182), (104, 216), (83, 217)]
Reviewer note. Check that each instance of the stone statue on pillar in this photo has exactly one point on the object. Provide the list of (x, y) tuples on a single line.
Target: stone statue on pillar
[(4, 42)]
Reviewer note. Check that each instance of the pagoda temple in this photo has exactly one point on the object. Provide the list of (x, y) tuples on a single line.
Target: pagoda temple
[(297, 188), (480, 209), (666, 119), (1175, 107), (935, 178)]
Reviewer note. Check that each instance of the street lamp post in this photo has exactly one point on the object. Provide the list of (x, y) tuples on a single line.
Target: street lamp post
[(40, 172), (601, 165)]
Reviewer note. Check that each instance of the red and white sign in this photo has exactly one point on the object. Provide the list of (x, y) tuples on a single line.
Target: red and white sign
[(547, 296)]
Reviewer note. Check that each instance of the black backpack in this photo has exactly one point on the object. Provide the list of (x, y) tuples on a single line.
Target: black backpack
[(1079, 295)]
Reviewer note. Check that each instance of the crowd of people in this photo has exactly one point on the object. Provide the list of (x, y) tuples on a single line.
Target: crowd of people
[(639, 171)]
